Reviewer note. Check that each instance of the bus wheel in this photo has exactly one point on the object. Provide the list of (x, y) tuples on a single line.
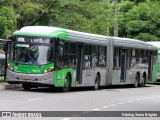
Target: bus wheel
[(143, 82), (96, 84), (26, 86), (67, 86), (137, 81)]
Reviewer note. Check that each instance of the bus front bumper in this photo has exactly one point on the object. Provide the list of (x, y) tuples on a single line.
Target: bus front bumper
[(13, 77)]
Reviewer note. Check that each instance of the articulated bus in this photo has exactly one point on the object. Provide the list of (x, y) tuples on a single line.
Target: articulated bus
[(51, 56), (156, 67)]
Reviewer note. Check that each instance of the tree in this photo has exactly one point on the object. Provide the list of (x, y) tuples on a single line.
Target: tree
[(135, 18), (82, 16), (7, 21), (31, 11), (141, 22)]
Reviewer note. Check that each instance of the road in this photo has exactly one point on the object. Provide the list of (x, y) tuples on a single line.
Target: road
[(116, 98)]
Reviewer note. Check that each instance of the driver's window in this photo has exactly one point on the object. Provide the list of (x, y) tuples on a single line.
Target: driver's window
[(61, 49), (60, 55)]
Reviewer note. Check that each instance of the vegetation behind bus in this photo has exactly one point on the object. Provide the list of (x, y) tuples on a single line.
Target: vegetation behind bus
[(136, 17)]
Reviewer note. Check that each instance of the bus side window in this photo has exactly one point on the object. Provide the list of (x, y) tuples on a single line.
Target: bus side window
[(144, 56), (133, 57), (138, 55), (66, 53), (129, 57), (154, 57), (60, 49), (69, 54), (95, 56), (102, 56), (72, 54), (60, 55), (87, 56), (116, 59)]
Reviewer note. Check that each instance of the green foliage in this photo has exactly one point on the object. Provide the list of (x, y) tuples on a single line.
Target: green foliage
[(82, 16), (146, 37), (137, 19), (7, 21), (141, 22)]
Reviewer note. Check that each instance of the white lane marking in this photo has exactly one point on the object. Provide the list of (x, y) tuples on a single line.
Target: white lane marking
[(105, 106), (112, 105), (96, 109), (151, 97), (144, 98), (129, 101), (66, 118), (82, 93), (35, 99), (121, 90), (121, 103), (137, 99)]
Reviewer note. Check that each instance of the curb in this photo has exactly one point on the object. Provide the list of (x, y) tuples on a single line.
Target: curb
[(5, 85), (13, 86)]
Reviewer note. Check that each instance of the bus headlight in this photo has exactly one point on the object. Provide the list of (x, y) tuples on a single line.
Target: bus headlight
[(48, 70), (9, 67)]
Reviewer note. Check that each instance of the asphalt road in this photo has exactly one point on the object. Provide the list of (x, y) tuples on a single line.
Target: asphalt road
[(85, 101)]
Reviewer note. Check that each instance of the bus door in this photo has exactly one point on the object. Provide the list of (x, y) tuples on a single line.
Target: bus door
[(123, 65), (80, 51), (150, 65)]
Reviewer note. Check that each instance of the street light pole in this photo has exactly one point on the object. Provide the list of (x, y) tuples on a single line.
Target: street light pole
[(108, 20), (116, 20)]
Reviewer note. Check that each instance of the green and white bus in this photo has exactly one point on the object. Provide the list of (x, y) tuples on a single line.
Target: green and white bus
[(51, 56), (156, 68)]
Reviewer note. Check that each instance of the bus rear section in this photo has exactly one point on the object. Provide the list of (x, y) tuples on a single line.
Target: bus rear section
[(133, 62)]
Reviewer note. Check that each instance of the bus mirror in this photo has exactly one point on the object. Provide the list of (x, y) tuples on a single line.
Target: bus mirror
[(5, 47), (12, 38)]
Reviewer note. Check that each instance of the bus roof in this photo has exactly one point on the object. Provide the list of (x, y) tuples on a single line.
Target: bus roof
[(44, 31), (155, 43), (131, 43), (66, 34)]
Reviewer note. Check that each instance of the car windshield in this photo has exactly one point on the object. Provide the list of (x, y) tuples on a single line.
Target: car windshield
[(32, 53)]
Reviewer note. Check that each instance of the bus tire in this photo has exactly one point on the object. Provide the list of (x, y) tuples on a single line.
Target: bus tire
[(26, 86), (67, 84), (143, 82), (96, 83), (136, 81)]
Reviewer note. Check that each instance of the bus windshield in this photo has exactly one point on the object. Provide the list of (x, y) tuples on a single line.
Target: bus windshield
[(31, 53)]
